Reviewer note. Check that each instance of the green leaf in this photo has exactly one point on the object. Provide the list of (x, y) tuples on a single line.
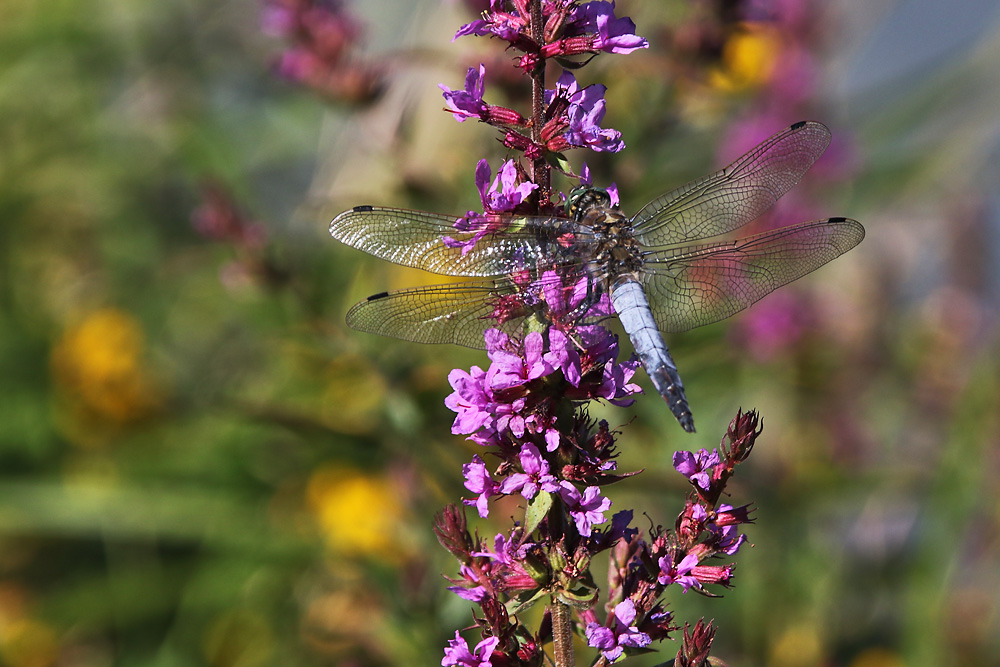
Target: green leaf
[(559, 162), (522, 602), (537, 510)]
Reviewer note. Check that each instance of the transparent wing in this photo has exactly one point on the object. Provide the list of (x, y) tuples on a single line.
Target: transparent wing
[(692, 286), (729, 199), (453, 313), (417, 239)]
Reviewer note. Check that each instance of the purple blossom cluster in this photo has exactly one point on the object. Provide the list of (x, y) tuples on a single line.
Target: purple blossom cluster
[(218, 218), (582, 28), (322, 37), (572, 119), (542, 557), (571, 115)]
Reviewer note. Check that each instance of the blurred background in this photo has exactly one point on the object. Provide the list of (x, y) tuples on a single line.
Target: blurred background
[(200, 464)]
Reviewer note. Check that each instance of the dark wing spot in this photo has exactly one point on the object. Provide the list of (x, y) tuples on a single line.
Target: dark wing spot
[(380, 295), (838, 219), (363, 209), (797, 125)]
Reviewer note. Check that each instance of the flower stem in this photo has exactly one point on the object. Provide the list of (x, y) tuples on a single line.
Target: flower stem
[(562, 634), (539, 173)]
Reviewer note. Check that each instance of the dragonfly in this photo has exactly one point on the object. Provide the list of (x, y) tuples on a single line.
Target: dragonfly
[(669, 268)]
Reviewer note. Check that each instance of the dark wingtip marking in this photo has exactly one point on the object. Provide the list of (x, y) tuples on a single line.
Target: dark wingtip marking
[(800, 124), (376, 297), (838, 219), (363, 209)]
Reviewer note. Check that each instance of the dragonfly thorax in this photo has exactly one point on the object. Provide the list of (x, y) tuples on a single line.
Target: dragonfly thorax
[(616, 251)]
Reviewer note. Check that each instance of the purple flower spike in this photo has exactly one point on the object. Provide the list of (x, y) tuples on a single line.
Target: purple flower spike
[(458, 654)]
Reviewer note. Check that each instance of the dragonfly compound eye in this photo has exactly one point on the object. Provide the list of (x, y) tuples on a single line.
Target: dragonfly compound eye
[(582, 198)]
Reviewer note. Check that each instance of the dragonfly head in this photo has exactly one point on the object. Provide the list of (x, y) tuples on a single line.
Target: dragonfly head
[(582, 198)]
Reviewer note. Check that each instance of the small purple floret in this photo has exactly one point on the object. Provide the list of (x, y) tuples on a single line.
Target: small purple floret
[(457, 654), (613, 641), (478, 480), (468, 103), (696, 467)]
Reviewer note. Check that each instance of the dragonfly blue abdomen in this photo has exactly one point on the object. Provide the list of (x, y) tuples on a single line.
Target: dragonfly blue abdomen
[(633, 311)]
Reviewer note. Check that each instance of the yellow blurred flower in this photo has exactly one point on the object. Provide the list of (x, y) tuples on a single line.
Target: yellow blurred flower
[(26, 642), (799, 646), (748, 59), (98, 365), (360, 514)]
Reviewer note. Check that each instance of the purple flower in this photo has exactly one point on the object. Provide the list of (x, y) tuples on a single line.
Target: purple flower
[(506, 191), (585, 116), (728, 539), (509, 375), (469, 400), (468, 103), (508, 557), (511, 370), (458, 654), (505, 550), (613, 35), (564, 301), (478, 480), (566, 356), (504, 25), (680, 573), (512, 395), (585, 112), (470, 589), (593, 346), (696, 467), (588, 509), (612, 641), (535, 476), (618, 530), (504, 194)]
